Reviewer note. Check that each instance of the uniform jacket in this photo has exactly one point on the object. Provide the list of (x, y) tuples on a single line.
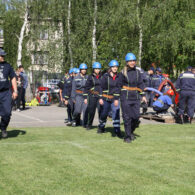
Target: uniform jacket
[(157, 80), (109, 85), (67, 89), (134, 79), (78, 83), (6, 73), (186, 81), (147, 79), (93, 84)]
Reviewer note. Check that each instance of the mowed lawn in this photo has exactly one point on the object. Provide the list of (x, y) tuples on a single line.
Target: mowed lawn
[(69, 160)]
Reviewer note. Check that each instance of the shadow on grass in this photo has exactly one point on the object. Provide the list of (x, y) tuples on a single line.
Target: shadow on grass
[(14, 133), (112, 132)]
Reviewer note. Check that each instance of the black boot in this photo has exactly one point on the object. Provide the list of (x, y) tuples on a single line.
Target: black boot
[(101, 130), (133, 137), (88, 127), (181, 119), (4, 134)]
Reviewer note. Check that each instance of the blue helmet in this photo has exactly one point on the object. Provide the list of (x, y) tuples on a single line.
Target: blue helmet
[(113, 63), (83, 66), (158, 69), (130, 57), (74, 70), (77, 70), (96, 65), (71, 71)]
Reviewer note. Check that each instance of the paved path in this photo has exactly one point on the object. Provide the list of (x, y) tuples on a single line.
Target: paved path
[(47, 116)]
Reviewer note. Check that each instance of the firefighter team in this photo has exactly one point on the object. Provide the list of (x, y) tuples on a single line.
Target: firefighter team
[(129, 90)]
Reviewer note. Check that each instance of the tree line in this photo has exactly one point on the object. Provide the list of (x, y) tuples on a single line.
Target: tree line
[(158, 32)]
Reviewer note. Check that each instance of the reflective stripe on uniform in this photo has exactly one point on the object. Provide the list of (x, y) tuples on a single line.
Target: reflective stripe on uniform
[(188, 75), (160, 101), (78, 79)]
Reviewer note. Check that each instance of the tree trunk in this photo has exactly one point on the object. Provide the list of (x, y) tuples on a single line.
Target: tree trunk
[(69, 34), (21, 38), (140, 33), (94, 46)]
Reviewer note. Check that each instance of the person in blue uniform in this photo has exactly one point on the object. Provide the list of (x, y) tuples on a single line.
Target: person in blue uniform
[(132, 87), (7, 74), (78, 86), (92, 92), (66, 94), (164, 101), (109, 98), (185, 84)]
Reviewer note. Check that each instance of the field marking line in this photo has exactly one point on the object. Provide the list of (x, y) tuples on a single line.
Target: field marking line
[(29, 117), (18, 122), (79, 145)]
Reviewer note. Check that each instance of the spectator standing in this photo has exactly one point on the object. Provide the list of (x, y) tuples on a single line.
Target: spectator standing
[(20, 81), (25, 85)]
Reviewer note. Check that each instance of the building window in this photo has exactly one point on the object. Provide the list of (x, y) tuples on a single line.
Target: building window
[(43, 34), (40, 58)]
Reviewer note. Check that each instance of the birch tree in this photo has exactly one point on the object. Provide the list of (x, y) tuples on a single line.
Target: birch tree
[(22, 33), (94, 46), (69, 34)]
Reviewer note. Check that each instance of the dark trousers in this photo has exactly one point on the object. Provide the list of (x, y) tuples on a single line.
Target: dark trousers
[(80, 107), (70, 109), (104, 111), (150, 98), (161, 109), (92, 105), (187, 98), (131, 114), (18, 100), (5, 109), (23, 97)]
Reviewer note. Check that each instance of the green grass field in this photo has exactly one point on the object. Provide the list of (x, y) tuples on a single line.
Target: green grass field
[(75, 161)]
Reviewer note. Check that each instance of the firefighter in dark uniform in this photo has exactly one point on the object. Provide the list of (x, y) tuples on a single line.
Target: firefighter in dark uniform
[(6, 73), (66, 93), (92, 92), (131, 86), (185, 84), (109, 98), (78, 85), (149, 95), (158, 78)]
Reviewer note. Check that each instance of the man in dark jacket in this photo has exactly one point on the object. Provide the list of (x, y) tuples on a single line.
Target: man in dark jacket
[(185, 84), (6, 73)]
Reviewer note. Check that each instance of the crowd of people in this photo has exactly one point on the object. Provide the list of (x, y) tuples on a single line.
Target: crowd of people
[(129, 90), (107, 92)]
